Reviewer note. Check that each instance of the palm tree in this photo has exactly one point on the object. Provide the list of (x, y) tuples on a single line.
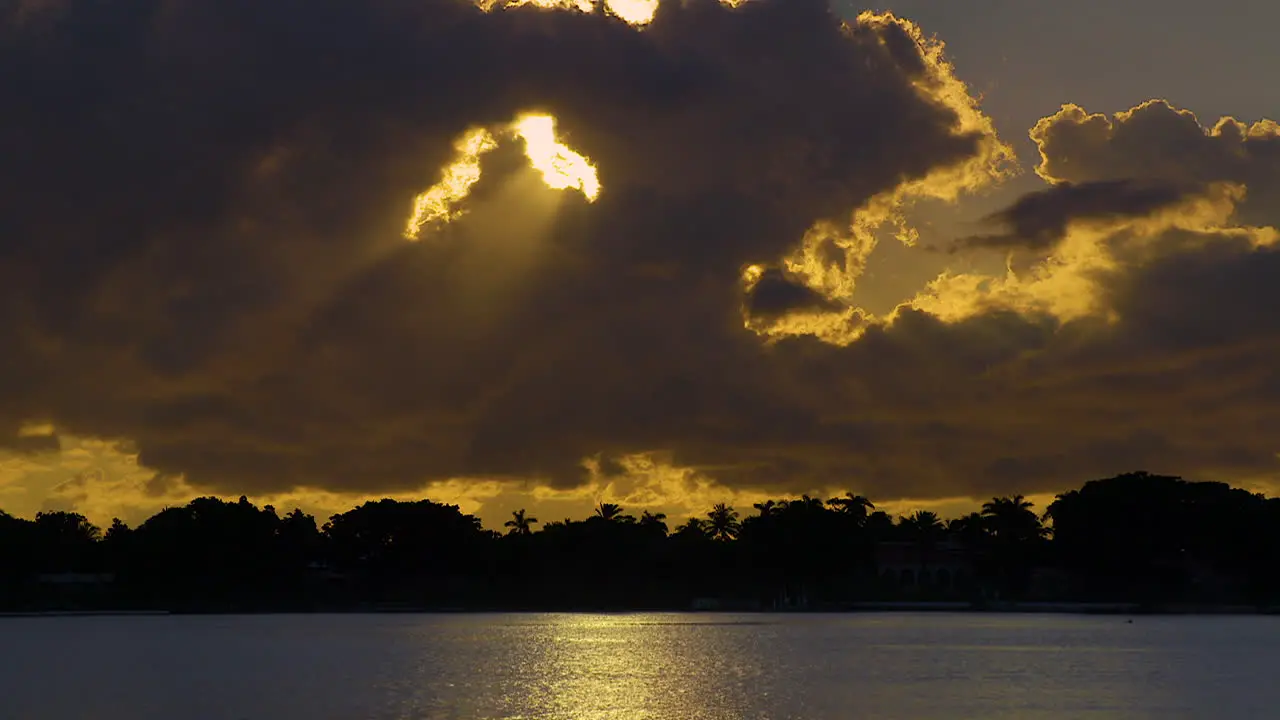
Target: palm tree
[(766, 508), (923, 523), (971, 529), (1012, 519), (654, 521), (924, 527), (557, 525), (694, 527), (723, 521), (1016, 533), (807, 503), (855, 506), (519, 523), (608, 511)]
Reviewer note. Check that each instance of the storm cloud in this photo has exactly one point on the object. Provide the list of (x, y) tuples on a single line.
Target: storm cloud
[(1040, 220), (202, 254), (1144, 338)]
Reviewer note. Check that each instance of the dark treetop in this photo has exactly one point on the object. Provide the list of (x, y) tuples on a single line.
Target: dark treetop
[(1137, 538)]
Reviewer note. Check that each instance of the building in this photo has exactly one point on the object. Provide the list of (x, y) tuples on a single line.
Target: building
[(943, 568)]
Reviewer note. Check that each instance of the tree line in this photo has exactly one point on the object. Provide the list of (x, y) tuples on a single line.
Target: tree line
[(1134, 538)]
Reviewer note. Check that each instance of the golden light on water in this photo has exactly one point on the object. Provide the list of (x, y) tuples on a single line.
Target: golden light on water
[(439, 202), (598, 667), (561, 167)]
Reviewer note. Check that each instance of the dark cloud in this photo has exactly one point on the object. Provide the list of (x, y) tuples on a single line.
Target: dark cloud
[(1158, 142), (1006, 385), (774, 294), (1174, 373), (201, 253), (27, 443), (1038, 221)]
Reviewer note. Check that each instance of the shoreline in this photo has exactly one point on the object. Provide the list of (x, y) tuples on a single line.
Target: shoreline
[(83, 613), (1030, 608)]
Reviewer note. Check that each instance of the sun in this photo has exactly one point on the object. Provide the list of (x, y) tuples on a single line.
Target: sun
[(637, 13), (561, 168), (633, 12)]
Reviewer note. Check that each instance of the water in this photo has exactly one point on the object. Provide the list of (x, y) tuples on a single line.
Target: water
[(638, 667)]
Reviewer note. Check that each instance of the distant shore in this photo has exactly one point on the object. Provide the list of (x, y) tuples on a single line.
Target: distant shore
[(1062, 608), (1075, 608), (83, 613)]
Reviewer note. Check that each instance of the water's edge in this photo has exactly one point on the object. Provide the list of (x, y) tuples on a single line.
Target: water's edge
[(852, 608)]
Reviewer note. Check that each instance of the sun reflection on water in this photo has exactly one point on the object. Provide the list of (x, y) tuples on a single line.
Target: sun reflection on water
[(924, 666), (638, 667)]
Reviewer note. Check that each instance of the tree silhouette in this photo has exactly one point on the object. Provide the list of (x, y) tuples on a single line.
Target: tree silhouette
[(811, 503), (1133, 538), (399, 550), (923, 524), (971, 530), (855, 506), (925, 529), (1153, 536), (117, 530), (694, 527), (723, 522), (879, 526), (1012, 518), (1014, 534), (68, 526), (609, 512), (766, 508), (519, 523), (656, 522), (64, 542)]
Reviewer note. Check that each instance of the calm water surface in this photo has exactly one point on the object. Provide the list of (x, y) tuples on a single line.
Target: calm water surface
[(635, 667)]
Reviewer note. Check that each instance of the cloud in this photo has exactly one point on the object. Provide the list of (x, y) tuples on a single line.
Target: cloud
[(1040, 220), (772, 294), (203, 259), (1144, 337), (206, 258), (1158, 142)]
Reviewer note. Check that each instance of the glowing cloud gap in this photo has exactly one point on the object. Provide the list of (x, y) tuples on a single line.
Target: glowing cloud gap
[(585, 6), (637, 13), (633, 12), (561, 167), (581, 5), (438, 203)]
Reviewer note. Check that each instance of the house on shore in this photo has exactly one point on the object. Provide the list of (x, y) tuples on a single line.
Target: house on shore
[(943, 568)]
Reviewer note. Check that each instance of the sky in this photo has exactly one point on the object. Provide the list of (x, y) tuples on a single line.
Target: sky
[(543, 257)]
